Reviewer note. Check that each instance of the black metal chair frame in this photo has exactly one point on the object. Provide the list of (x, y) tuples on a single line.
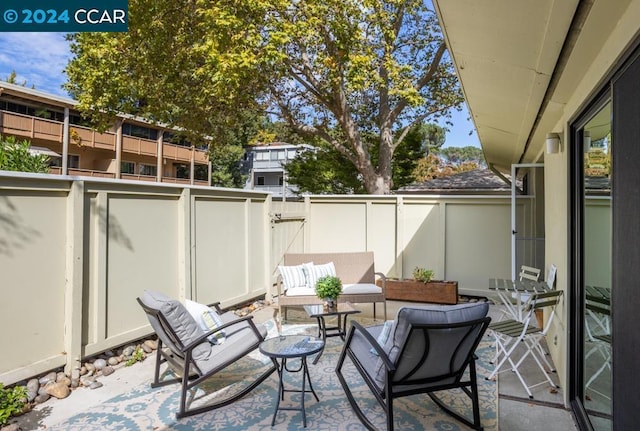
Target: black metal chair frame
[(391, 389), (190, 374)]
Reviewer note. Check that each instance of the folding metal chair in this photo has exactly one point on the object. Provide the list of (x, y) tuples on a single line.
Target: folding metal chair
[(509, 334), (598, 334)]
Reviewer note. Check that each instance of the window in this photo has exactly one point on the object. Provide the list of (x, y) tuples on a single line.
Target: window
[(200, 172), (274, 155), (260, 181), (73, 161), (182, 171), (280, 181), (291, 154), (281, 155), (128, 168), (139, 131), (262, 155), (149, 170)]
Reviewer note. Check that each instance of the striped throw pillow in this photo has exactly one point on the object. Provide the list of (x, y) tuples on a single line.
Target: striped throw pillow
[(293, 276), (316, 272)]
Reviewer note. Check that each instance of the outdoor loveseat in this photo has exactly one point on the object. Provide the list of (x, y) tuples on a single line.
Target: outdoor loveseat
[(355, 270)]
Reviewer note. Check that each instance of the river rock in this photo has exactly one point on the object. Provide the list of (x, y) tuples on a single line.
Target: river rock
[(95, 385), (128, 351), (11, 427), (59, 390), (90, 367), (108, 370), (50, 377), (113, 361), (151, 343), (42, 398), (100, 364), (33, 385), (146, 348)]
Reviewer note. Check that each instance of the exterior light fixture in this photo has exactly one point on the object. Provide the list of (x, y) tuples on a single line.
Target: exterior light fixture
[(553, 143)]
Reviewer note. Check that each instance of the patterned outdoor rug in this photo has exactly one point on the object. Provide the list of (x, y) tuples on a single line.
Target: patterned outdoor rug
[(149, 409)]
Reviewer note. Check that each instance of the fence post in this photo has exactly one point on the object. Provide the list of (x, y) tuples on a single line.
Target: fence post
[(74, 277)]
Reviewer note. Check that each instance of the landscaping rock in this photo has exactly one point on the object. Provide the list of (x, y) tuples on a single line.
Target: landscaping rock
[(146, 348), (128, 351), (42, 398), (59, 390), (31, 395), (50, 377), (83, 370), (90, 367), (99, 364), (108, 370), (10, 427), (60, 376), (113, 360), (95, 385), (151, 343), (33, 385)]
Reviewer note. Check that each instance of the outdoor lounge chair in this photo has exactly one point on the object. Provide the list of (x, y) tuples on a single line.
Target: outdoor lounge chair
[(186, 348), (428, 349)]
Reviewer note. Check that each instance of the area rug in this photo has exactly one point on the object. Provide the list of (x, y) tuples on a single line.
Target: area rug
[(149, 409)]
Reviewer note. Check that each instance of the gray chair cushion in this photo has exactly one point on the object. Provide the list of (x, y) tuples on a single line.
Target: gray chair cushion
[(179, 319), (425, 314)]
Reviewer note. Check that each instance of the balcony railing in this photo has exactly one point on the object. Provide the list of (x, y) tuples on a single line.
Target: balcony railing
[(142, 146), (30, 127)]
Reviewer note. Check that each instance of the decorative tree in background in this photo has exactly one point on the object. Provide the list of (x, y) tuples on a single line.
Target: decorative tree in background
[(338, 71)]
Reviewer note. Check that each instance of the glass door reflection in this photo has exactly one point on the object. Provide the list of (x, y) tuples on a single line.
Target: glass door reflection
[(597, 394)]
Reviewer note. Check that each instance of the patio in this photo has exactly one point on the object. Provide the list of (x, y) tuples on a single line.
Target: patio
[(516, 411)]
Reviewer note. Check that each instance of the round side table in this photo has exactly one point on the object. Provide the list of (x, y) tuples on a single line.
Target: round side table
[(292, 347)]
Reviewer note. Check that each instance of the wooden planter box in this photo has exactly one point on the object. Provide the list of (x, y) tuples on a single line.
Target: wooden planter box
[(436, 291)]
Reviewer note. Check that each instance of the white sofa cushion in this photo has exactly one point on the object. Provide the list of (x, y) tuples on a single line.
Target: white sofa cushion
[(360, 288)]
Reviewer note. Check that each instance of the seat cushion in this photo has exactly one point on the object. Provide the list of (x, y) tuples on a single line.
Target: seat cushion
[(360, 288), (347, 289)]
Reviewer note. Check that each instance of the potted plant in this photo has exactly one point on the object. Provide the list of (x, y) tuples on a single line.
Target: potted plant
[(422, 274), (422, 288), (328, 288)]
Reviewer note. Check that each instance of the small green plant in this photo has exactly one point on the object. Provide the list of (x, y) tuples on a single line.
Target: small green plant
[(328, 287), (137, 356), (422, 274), (12, 402)]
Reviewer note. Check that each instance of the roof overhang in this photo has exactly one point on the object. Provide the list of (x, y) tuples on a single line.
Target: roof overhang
[(505, 53)]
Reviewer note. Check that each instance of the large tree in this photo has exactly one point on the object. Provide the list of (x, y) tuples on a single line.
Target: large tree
[(337, 70)]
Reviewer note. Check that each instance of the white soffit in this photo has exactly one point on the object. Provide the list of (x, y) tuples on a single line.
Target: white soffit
[(505, 52)]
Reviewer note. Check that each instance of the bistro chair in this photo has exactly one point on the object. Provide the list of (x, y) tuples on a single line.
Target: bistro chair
[(510, 334), (427, 349), (188, 351)]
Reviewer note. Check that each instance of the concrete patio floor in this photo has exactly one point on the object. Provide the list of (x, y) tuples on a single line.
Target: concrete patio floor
[(516, 411)]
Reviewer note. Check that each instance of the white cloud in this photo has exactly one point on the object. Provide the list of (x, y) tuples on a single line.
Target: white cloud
[(38, 58)]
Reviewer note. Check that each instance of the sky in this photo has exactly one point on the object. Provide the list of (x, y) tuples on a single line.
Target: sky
[(40, 59)]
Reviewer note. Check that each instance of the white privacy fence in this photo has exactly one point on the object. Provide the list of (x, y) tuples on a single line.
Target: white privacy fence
[(75, 253)]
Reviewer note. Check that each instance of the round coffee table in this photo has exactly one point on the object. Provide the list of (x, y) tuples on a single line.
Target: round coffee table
[(292, 347)]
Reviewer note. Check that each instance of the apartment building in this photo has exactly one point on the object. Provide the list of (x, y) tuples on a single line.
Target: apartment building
[(266, 167), (132, 149)]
